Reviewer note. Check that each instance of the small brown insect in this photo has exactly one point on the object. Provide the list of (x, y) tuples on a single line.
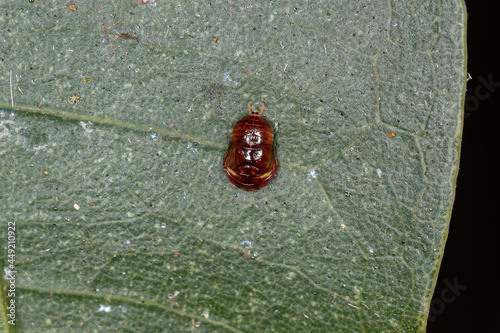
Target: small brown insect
[(251, 162)]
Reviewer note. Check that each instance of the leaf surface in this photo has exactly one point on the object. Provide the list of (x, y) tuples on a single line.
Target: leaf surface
[(111, 158)]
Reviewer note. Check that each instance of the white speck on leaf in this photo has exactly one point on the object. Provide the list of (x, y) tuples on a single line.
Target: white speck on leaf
[(312, 175), (154, 137), (105, 308), (86, 126), (246, 242), (228, 81)]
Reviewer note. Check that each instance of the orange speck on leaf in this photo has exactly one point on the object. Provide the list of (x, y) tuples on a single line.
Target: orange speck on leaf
[(391, 134), (73, 7)]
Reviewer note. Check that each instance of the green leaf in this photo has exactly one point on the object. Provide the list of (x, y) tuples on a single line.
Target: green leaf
[(111, 158)]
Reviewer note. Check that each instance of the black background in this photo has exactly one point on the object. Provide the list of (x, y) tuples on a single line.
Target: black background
[(472, 252)]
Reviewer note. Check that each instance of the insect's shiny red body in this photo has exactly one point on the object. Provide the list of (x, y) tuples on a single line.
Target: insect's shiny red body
[(250, 161)]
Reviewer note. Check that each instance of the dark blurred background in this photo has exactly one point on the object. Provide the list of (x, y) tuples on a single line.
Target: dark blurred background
[(467, 294)]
